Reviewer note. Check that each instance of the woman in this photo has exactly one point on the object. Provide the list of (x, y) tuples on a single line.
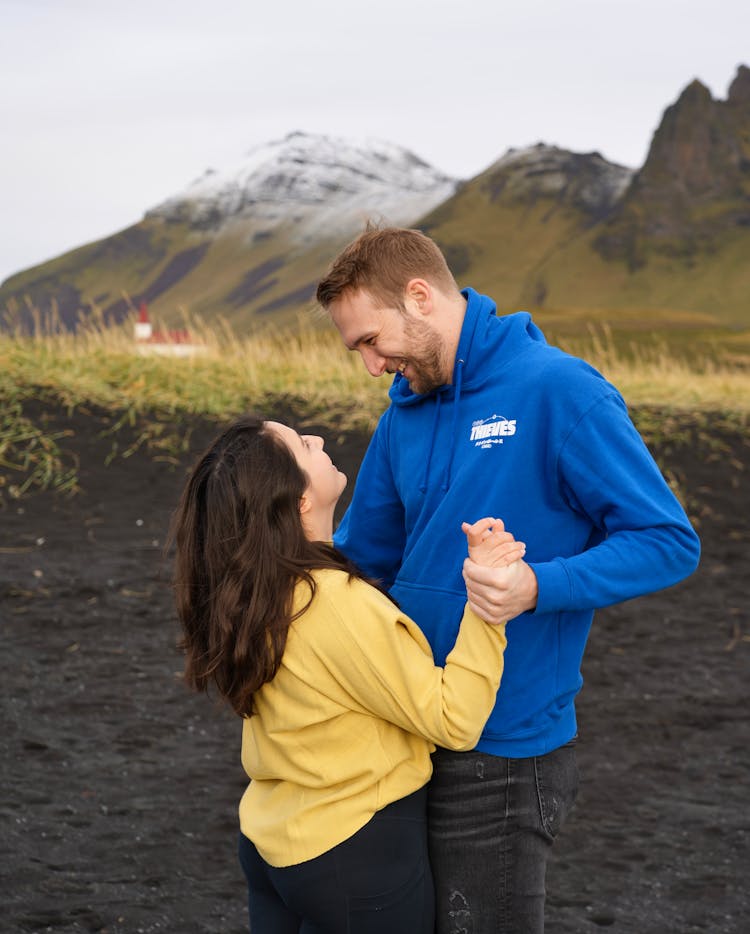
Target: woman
[(341, 699)]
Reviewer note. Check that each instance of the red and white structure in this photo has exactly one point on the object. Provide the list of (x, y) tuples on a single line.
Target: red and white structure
[(173, 343)]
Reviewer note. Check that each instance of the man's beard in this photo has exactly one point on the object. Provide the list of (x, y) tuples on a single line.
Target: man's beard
[(424, 358)]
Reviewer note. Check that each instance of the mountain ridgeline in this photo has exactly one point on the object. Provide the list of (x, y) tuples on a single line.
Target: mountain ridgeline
[(546, 229), (570, 236)]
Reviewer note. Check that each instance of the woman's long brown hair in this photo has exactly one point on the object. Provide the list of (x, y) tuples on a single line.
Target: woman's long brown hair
[(240, 551)]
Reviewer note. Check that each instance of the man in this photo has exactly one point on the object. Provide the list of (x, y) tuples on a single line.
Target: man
[(487, 419)]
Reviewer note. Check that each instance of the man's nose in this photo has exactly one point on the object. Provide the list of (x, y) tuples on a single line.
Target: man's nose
[(373, 361)]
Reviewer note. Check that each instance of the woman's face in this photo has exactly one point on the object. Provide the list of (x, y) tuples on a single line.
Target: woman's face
[(325, 482)]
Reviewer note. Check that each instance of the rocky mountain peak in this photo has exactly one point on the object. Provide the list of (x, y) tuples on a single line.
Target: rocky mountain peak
[(586, 180), (696, 94), (739, 89), (313, 180), (695, 182), (697, 147)]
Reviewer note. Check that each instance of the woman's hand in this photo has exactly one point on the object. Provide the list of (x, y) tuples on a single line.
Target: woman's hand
[(499, 585), (490, 545)]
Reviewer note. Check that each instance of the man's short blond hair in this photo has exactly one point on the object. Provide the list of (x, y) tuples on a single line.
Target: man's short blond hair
[(382, 262)]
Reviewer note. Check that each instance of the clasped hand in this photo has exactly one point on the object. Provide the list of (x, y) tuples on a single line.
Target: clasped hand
[(499, 583)]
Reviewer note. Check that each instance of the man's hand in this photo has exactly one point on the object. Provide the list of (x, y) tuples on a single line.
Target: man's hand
[(499, 585)]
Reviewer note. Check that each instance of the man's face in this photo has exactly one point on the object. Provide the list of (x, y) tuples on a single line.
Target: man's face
[(390, 340)]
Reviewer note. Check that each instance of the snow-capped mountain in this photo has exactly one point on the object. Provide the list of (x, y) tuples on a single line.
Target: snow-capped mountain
[(540, 228), (321, 183)]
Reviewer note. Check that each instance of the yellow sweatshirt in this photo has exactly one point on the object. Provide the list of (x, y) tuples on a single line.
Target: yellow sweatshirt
[(348, 723)]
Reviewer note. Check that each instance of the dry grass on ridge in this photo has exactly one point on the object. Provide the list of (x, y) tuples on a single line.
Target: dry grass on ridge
[(99, 366)]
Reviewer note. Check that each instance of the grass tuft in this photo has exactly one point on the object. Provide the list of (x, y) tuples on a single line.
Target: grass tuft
[(29, 456)]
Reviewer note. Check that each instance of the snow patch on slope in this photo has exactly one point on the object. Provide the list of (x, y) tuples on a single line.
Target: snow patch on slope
[(323, 184)]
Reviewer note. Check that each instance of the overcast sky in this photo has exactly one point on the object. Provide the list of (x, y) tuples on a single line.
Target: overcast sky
[(107, 108)]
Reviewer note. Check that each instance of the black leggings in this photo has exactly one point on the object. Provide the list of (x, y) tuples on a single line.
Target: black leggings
[(376, 882)]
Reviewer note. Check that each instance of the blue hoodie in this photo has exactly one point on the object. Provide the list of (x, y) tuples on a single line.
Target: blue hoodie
[(542, 441)]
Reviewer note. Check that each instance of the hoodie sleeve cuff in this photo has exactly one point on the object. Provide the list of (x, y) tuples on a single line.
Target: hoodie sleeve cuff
[(555, 591)]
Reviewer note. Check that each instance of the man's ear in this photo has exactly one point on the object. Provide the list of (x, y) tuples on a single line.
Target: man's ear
[(420, 293)]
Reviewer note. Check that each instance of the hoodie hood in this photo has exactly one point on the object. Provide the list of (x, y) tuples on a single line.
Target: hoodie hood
[(484, 342), (485, 339)]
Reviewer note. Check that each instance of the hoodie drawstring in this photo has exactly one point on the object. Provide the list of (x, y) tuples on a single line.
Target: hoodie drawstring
[(459, 372), (435, 422), (454, 424)]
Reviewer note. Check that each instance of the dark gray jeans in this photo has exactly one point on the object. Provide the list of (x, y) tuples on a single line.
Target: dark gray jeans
[(492, 822)]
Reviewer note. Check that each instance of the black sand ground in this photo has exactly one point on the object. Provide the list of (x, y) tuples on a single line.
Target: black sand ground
[(119, 789)]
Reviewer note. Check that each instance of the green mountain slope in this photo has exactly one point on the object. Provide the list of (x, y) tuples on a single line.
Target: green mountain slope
[(177, 271), (671, 245), (569, 236)]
